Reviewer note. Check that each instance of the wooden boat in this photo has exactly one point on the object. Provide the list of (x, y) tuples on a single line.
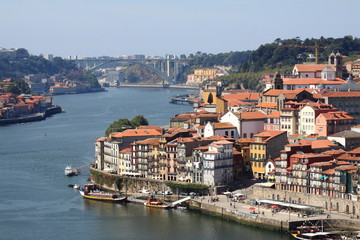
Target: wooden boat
[(156, 204), (91, 192)]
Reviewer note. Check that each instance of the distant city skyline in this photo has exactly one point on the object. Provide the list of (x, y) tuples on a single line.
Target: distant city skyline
[(155, 28)]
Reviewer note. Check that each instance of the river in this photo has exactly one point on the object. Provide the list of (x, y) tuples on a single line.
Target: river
[(35, 202)]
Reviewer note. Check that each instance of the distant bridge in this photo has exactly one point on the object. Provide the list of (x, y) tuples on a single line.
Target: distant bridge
[(167, 68)]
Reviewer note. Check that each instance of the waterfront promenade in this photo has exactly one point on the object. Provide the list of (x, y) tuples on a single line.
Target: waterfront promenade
[(266, 217)]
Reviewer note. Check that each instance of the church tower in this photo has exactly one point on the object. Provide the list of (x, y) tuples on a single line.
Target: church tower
[(278, 82), (338, 65), (332, 59), (335, 60)]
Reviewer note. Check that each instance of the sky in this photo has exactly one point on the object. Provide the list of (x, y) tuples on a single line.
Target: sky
[(87, 28)]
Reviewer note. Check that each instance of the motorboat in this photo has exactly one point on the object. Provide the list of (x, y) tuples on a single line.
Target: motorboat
[(70, 171), (317, 235)]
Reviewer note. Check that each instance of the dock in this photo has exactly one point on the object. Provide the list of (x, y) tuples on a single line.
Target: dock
[(183, 99)]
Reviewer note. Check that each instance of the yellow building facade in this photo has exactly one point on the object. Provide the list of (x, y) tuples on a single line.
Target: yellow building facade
[(201, 75), (213, 98), (258, 157)]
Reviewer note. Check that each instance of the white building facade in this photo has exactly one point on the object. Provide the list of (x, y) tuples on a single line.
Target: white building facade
[(218, 164)]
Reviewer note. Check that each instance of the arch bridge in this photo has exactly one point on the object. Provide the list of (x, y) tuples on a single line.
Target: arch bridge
[(168, 69)]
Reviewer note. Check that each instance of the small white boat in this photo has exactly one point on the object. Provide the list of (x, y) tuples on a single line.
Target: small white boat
[(318, 235), (70, 171)]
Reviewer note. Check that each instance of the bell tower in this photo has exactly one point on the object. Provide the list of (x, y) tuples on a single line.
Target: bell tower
[(278, 82)]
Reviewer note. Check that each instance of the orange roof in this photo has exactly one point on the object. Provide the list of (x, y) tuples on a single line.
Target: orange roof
[(223, 142), (321, 164), (159, 129), (242, 96), (322, 143), (269, 134), (135, 132), (274, 115), (346, 167), (250, 115), (336, 115), (125, 150), (245, 140), (224, 125), (266, 105), (236, 102), (202, 148), (102, 139), (334, 152), (329, 172), (342, 94), (212, 152), (309, 81), (355, 151), (347, 157), (311, 67), (149, 141)]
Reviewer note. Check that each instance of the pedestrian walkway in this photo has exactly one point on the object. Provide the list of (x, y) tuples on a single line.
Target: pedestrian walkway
[(246, 208)]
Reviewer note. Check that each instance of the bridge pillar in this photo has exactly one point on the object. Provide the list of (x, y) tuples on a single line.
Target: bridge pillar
[(176, 70), (162, 66), (168, 67)]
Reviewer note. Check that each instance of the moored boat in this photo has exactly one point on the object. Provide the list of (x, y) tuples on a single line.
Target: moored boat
[(156, 204), (70, 171), (91, 192), (317, 235)]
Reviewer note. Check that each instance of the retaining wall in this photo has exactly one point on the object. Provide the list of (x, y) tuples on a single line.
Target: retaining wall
[(328, 203)]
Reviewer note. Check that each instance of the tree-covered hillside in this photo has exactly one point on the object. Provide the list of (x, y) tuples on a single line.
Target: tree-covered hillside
[(282, 54), (22, 63)]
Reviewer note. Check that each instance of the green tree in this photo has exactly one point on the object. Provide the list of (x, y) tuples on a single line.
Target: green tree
[(18, 86), (119, 126), (210, 98), (139, 120)]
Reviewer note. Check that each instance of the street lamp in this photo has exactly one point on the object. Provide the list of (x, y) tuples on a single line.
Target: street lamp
[(289, 212)]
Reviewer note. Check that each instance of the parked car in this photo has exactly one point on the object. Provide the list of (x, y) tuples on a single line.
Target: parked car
[(145, 191)]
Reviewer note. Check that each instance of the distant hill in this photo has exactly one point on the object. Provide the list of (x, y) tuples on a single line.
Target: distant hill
[(16, 64), (21, 63)]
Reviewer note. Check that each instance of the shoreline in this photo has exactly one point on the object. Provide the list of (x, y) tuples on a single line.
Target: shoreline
[(33, 117), (225, 208), (128, 85)]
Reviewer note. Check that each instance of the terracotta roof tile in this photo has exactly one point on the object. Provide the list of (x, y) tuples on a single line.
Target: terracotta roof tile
[(135, 132), (243, 96), (329, 172), (311, 67), (310, 81), (266, 105), (149, 141), (274, 115), (224, 125), (342, 94)]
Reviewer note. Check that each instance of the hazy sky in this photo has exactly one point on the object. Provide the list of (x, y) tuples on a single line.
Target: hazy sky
[(157, 27)]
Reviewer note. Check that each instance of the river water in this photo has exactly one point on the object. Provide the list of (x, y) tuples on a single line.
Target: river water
[(35, 202)]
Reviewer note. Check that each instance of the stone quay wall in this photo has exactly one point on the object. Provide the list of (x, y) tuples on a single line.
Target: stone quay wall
[(330, 204), (129, 184), (243, 218)]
